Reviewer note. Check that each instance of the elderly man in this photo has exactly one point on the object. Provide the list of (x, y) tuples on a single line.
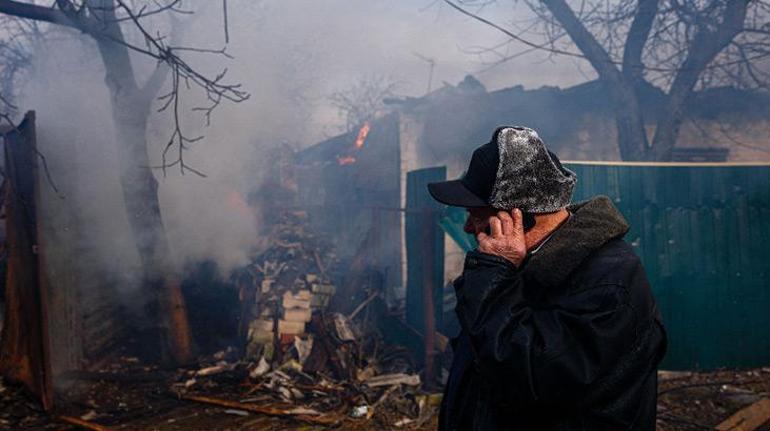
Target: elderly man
[(559, 328)]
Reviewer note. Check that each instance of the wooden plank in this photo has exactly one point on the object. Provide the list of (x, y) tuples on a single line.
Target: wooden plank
[(24, 348), (749, 418), (326, 420), (80, 423)]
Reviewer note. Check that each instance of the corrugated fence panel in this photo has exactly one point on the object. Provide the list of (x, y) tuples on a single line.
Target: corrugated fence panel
[(422, 246), (703, 233)]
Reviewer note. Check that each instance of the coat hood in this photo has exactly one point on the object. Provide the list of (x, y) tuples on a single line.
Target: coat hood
[(593, 224)]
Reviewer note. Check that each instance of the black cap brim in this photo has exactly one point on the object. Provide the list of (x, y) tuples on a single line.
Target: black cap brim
[(454, 193)]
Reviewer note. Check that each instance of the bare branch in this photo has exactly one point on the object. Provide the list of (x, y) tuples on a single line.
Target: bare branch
[(637, 38), (35, 12), (513, 36)]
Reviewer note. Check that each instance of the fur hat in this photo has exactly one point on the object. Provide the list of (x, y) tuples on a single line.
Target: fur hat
[(513, 170), (529, 176)]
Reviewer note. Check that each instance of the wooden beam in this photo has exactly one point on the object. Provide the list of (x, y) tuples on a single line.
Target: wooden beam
[(83, 424), (24, 348), (270, 411), (749, 418)]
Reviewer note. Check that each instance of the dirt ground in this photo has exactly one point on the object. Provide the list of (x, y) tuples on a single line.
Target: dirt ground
[(144, 401), (697, 401)]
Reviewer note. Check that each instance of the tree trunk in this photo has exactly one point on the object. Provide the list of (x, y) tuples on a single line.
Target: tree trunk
[(131, 107), (707, 43), (629, 121), (632, 137), (140, 193)]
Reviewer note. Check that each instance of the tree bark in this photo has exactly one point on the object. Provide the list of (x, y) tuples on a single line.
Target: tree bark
[(633, 67), (703, 48), (131, 106), (632, 137)]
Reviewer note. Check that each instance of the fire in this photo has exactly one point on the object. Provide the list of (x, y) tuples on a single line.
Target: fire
[(346, 160), (362, 134), (236, 201), (360, 139)]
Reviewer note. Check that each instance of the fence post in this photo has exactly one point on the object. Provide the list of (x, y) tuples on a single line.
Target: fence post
[(425, 260)]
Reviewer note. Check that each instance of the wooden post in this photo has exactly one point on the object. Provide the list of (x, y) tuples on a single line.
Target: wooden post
[(425, 263), (179, 326), (428, 288), (24, 349)]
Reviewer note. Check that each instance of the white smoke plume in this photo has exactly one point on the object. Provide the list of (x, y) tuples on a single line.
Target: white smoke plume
[(289, 55)]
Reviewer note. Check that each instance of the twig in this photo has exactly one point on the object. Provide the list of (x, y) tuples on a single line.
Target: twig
[(83, 424), (707, 384), (319, 264), (362, 305), (321, 420)]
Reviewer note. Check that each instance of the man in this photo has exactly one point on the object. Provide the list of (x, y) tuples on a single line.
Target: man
[(559, 328)]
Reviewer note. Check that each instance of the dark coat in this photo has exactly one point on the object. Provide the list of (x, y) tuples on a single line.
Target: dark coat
[(569, 341)]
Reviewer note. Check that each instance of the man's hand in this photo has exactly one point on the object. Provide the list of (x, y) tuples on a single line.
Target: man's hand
[(506, 237)]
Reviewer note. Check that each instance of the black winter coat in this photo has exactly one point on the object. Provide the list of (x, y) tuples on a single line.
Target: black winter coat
[(569, 341)]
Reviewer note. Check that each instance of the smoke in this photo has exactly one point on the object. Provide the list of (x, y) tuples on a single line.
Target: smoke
[(84, 219), (289, 55)]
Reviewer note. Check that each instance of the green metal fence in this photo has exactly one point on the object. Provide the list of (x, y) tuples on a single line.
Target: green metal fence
[(703, 233)]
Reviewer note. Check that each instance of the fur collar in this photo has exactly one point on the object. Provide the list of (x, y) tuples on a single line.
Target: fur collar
[(593, 224)]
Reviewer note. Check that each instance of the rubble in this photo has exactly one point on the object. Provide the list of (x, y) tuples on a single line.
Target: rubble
[(289, 283), (393, 379), (302, 362), (750, 418)]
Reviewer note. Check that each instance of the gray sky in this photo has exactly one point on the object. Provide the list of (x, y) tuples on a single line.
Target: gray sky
[(317, 47)]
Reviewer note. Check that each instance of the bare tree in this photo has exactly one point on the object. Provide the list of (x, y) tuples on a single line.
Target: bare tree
[(363, 101), (679, 45), (15, 52), (107, 22)]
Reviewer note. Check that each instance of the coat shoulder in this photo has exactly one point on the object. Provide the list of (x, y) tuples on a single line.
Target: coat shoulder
[(615, 262)]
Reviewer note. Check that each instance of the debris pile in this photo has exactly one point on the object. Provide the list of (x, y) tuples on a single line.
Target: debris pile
[(303, 359), (287, 283), (288, 391)]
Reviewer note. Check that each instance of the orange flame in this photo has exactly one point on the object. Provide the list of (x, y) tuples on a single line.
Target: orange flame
[(362, 134)]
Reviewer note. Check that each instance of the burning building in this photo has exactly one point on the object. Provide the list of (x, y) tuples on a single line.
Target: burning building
[(343, 316)]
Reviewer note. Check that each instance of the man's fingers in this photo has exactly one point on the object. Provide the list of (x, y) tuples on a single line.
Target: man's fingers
[(496, 227), (481, 236), (518, 223), (507, 222)]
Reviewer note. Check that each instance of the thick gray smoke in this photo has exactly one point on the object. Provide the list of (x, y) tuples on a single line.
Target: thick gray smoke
[(289, 55)]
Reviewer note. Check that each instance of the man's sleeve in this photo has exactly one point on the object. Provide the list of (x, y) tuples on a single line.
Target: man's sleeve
[(550, 354)]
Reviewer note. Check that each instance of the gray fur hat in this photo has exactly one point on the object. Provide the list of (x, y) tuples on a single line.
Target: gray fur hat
[(513, 170)]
